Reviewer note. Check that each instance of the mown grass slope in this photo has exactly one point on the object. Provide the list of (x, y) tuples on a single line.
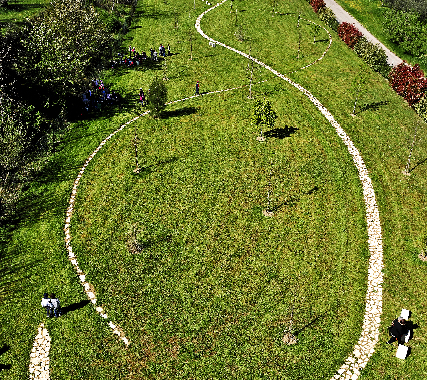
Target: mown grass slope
[(215, 284)]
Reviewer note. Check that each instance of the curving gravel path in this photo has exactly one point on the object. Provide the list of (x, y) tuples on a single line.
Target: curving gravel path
[(365, 347)]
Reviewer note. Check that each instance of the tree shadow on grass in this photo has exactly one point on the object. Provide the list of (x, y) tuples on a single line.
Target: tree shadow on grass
[(418, 164), (311, 323), (179, 112), (281, 133), (74, 307), (4, 349), (375, 106), (293, 200)]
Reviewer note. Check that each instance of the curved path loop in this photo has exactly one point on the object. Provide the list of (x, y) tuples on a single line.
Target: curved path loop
[(365, 347)]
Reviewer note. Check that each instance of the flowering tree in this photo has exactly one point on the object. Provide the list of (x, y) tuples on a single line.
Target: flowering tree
[(64, 45), (409, 82), (349, 34)]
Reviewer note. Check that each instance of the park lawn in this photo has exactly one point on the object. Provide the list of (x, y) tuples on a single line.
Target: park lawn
[(245, 269), (18, 10), (370, 14)]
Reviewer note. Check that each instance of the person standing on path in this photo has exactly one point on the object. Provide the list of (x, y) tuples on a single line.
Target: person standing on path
[(169, 51), (47, 304), (197, 88)]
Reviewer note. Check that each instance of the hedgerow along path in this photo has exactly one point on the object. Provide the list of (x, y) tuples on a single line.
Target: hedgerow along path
[(363, 175)]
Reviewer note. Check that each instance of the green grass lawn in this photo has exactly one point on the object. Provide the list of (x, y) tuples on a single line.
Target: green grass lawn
[(370, 14), (18, 10), (214, 286)]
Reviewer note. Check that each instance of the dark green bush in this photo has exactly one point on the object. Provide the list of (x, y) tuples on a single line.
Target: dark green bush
[(421, 108), (373, 55), (157, 97), (328, 17)]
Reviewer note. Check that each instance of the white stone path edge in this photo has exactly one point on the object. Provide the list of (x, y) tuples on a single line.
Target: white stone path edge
[(365, 347), (39, 357)]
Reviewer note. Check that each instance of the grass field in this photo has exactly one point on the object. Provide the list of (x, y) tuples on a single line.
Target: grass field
[(17, 10), (214, 286)]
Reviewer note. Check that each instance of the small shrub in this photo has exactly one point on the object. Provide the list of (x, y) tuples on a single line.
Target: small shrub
[(349, 34), (328, 17), (408, 82), (317, 5), (421, 109), (157, 97), (373, 55)]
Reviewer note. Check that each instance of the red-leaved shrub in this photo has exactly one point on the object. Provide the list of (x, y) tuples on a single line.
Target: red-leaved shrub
[(317, 4), (409, 82), (349, 34)]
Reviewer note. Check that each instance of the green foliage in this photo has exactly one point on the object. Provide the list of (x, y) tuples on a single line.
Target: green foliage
[(157, 97), (421, 108), (373, 55), (406, 30), (64, 45), (416, 6), (263, 113), (328, 17)]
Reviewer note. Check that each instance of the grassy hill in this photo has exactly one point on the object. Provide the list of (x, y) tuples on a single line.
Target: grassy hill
[(213, 289)]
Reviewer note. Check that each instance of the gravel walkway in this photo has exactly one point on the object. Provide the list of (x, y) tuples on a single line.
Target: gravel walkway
[(39, 357), (343, 16), (369, 337)]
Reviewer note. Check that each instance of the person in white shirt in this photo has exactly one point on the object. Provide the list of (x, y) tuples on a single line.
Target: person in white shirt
[(55, 305), (46, 303)]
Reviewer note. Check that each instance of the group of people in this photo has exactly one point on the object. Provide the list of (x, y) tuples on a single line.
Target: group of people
[(135, 58), (99, 96), (52, 305)]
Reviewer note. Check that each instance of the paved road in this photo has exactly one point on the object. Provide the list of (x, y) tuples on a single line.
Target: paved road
[(343, 16)]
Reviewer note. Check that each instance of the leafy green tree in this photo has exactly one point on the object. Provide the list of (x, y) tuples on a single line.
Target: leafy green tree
[(157, 97), (64, 45), (406, 30), (263, 114)]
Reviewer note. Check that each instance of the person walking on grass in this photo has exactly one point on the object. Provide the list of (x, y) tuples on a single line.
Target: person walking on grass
[(141, 97), (169, 51), (55, 305), (397, 331), (47, 304), (197, 88)]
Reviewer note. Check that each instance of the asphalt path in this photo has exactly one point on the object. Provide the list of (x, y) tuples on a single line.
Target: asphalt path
[(343, 16)]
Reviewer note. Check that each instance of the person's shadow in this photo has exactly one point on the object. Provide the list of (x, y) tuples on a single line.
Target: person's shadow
[(74, 307), (4, 349)]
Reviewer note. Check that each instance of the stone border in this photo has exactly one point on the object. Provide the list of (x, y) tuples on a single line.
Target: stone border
[(39, 357), (365, 347)]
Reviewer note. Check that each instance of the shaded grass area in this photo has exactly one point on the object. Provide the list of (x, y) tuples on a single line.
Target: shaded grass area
[(18, 10), (370, 13), (211, 292)]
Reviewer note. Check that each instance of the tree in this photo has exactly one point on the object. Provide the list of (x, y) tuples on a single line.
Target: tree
[(63, 45), (409, 82), (406, 30), (263, 114), (157, 97)]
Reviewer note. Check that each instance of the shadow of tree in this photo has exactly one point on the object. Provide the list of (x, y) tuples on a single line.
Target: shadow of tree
[(179, 112), (281, 133), (373, 106), (4, 349)]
